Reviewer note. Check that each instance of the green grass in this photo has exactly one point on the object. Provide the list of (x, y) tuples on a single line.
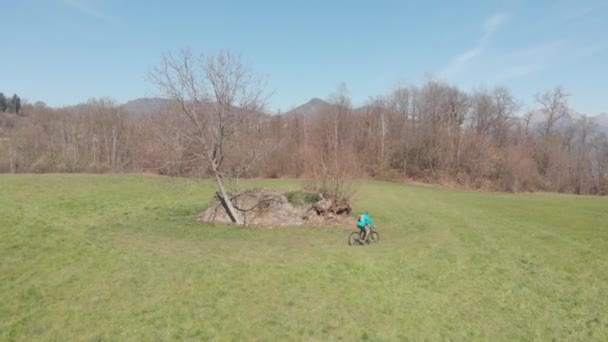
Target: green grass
[(121, 257)]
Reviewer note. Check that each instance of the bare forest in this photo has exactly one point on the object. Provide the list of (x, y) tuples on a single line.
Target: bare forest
[(432, 133)]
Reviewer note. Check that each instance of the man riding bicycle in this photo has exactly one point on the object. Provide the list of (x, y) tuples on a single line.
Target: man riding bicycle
[(363, 224)]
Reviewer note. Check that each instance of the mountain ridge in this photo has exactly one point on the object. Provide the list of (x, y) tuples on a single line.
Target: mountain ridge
[(154, 105)]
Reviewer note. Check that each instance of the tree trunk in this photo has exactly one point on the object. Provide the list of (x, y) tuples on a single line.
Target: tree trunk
[(383, 137), (114, 140), (227, 202), (406, 137), (11, 155), (94, 141), (107, 147), (305, 135), (336, 145), (224, 196), (458, 149)]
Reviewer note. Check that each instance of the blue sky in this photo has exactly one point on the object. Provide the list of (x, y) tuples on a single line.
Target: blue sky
[(66, 51)]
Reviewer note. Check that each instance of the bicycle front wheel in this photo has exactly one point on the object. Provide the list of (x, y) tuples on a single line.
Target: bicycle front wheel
[(375, 237)]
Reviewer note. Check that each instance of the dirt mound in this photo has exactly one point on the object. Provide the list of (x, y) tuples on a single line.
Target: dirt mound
[(263, 207), (256, 207)]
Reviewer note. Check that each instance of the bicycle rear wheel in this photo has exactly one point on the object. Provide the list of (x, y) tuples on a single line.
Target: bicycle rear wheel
[(354, 239)]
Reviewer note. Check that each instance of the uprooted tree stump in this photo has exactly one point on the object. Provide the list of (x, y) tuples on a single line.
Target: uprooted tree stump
[(327, 206), (263, 207)]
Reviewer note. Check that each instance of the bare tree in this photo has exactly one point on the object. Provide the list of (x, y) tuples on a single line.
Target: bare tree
[(483, 112), (527, 119), (459, 106), (217, 96), (332, 142), (554, 106), (506, 106), (600, 152), (400, 101)]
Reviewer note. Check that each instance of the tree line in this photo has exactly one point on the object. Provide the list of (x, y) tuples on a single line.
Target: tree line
[(438, 133), (433, 132)]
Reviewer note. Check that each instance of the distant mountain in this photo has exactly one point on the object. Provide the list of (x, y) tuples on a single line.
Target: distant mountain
[(602, 121), (573, 116), (311, 107), (316, 105), (146, 105)]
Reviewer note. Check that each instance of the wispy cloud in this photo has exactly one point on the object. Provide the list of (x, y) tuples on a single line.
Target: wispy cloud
[(88, 7), (579, 13), (493, 23), (559, 53), (515, 72), (524, 61), (490, 26), (590, 50), (541, 52)]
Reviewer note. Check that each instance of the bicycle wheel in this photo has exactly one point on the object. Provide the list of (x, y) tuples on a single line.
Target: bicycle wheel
[(354, 239), (375, 237)]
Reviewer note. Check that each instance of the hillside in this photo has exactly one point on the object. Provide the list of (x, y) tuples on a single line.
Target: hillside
[(146, 105), (311, 107), (121, 257)]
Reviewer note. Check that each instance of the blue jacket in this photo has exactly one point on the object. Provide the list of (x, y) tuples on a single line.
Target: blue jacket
[(366, 220)]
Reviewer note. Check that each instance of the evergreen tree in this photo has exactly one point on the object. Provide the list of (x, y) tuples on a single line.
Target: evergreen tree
[(16, 103), (3, 103)]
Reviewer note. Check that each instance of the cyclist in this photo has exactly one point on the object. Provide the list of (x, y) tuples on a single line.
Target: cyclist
[(363, 224)]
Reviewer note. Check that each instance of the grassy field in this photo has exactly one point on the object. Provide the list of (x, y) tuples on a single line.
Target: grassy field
[(120, 257)]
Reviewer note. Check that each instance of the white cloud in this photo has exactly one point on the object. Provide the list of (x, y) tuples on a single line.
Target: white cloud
[(491, 24)]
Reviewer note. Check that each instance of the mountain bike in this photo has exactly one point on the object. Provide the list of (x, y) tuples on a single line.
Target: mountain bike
[(356, 238)]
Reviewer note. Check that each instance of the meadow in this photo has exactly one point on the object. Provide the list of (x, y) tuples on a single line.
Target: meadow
[(121, 257)]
